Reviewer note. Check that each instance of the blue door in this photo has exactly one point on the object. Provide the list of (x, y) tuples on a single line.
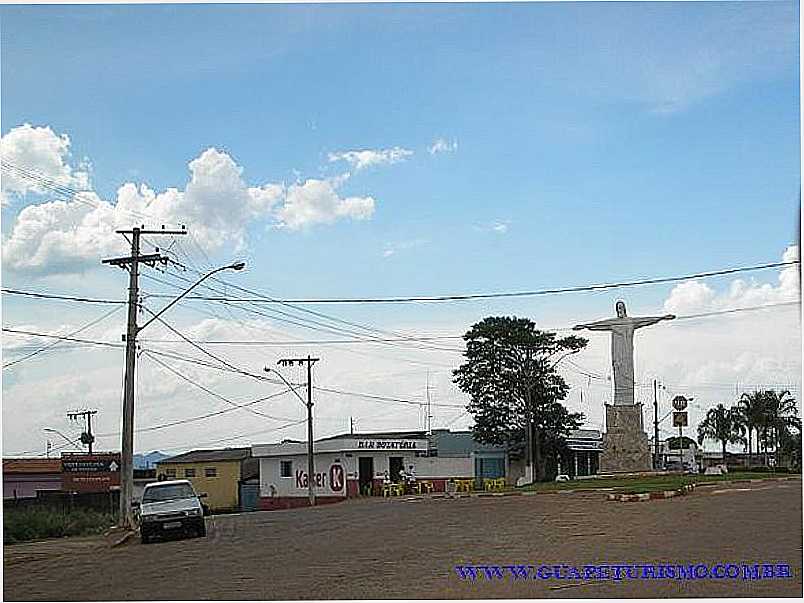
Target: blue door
[(249, 497)]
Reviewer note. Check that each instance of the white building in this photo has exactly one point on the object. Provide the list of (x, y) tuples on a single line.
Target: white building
[(343, 466)]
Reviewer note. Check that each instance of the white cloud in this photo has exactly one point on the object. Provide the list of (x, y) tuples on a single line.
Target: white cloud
[(500, 227), (28, 146), (442, 146), (394, 248), (317, 202), (216, 205), (368, 157), (497, 226), (697, 296)]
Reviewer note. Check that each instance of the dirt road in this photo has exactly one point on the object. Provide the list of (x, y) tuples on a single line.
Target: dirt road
[(400, 549)]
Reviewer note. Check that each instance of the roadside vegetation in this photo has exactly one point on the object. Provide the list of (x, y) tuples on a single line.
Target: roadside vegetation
[(20, 525)]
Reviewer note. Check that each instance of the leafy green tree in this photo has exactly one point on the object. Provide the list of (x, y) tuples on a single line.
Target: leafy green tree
[(721, 424), (510, 377)]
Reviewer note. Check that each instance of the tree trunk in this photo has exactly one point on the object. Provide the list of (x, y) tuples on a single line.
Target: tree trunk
[(724, 451), (538, 462), (749, 446)]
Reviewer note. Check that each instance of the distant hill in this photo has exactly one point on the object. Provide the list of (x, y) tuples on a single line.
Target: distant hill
[(148, 461)]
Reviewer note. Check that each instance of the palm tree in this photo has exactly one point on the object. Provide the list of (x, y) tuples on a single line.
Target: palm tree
[(780, 414), (752, 413), (721, 424)]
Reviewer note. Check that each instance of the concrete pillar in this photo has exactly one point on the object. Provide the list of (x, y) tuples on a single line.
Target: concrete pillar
[(575, 457)]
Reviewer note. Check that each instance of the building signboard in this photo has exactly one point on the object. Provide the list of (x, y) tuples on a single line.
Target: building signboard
[(388, 445), (90, 472)]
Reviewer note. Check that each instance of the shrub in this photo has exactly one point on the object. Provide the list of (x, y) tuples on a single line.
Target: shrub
[(34, 523)]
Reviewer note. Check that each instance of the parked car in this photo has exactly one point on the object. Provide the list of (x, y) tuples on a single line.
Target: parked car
[(171, 507)]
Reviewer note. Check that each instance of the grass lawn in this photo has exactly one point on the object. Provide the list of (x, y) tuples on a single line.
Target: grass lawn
[(646, 484)]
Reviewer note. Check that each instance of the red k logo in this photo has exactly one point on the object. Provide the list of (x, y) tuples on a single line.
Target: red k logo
[(336, 478)]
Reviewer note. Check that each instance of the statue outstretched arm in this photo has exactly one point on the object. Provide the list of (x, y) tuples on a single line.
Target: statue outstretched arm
[(645, 321), (600, 325)]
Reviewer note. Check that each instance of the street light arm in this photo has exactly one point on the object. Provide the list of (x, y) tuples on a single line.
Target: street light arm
[(235, 266), (291, 387), (48, 429)]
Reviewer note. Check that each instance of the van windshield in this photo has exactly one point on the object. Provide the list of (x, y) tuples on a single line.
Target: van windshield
[(171, 492)]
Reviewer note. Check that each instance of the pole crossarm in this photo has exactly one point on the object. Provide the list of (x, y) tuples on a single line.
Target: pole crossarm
[(143, 231), (150, 259)]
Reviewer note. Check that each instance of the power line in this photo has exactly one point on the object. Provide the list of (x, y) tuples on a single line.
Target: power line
[(574, 289), (459, 297), (63, 337), (36, 294), (57, 342), (212, 393), (235, 437)]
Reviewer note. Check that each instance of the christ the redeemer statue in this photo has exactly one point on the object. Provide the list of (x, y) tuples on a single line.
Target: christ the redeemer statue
[(622, 348)]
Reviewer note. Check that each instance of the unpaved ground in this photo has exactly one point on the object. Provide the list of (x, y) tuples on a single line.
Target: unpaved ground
[(400, 549)]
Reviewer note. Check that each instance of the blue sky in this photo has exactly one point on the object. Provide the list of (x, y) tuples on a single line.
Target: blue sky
[(604, 141)]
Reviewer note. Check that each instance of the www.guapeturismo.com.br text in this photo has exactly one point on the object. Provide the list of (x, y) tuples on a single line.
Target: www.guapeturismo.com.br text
[(625, 571)]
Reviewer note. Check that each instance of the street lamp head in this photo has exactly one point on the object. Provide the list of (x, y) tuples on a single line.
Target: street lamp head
[(238, 266)]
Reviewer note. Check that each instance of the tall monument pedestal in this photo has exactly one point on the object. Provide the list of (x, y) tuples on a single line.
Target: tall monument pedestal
[(625, 443)]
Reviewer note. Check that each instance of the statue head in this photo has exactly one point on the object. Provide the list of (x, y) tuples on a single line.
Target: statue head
[(620, 307)]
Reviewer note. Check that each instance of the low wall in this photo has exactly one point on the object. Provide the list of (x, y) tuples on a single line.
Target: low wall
[(294, 502)]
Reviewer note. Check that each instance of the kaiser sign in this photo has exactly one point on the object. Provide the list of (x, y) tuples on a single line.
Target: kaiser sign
[(332, 480)]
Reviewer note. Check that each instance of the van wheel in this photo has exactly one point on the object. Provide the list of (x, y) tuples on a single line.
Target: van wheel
[(145, 538), (202, 529)]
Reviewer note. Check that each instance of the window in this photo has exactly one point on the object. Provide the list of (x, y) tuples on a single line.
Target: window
[(170, 472), (286, 468), (210, 472), (157, 493), (189, 472)]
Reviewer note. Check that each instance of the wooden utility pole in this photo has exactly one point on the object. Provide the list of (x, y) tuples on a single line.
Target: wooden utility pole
[(309, 361), (132, 264)]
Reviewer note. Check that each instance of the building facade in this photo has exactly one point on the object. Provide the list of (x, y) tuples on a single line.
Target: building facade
[(351, 465), (22, 478), (217, 473)]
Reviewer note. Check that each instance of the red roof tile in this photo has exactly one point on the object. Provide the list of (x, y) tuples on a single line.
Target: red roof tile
[(31, 465)]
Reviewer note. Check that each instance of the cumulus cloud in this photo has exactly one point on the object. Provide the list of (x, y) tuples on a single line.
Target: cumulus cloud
[(697, 296), (217, 206), (366, 158), (317, 202), (40, 147), (442, 146)]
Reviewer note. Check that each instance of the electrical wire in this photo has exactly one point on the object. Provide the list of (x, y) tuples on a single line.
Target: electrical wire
[(555, 291), (55, 343), (212, 393)]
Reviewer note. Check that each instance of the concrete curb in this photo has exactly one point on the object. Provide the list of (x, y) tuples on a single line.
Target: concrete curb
[(645, 496)]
